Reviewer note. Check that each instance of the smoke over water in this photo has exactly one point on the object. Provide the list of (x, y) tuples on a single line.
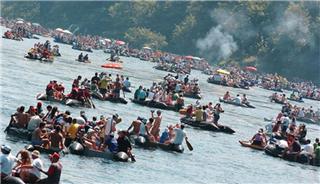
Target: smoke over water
[(217, 44)]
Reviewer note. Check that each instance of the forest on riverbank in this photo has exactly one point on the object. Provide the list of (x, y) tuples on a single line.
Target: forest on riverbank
[(280, 37)]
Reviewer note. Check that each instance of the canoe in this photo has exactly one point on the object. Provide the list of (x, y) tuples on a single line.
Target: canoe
[(296, 100), (154, 104), (249, 145), (78, 149), (19, 133), (192, 95), (308, 120), (39, 59), (141, 141), (112, 65), (234, 103), (207, 126), (275, 151)]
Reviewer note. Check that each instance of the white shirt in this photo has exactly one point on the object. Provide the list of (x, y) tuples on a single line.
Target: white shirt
[(285, 121), (301, 114), (34, 122), (238, 100), (80, 120), (150, 95), (38, 164), (108, 127), (308, 148), (179, 136), (6, 162)]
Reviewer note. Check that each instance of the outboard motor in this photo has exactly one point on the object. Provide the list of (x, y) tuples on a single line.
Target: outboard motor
[(121, 156), (76, 148)]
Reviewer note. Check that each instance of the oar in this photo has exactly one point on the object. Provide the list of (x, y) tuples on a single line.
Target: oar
[(92, 103), (189, 145)]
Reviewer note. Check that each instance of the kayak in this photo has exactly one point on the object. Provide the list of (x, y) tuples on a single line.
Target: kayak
[(112, 65), (296, 100), (154, 104), (141, 141), (275, 151), (40, 59), (207, 126), (78, 149), (84, 61), (21, 133), (234, 103), (308, 120), (248, 144), (192, 95)]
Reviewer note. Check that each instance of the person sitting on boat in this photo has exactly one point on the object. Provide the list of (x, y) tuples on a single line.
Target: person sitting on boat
[(7, 161), (274, 96), (179, 136), (19, 119), (283, 98), (59, 90), (91, 139), (112, 144), (293, 149), (164, 138), (49, 89), (227, 96), (302, 132), (199, 114), (217, 110), (179, 102), (308, 149), (124, 145), (56, 139), (244, 99), (80, 57), (126, 83), (54, 171), (237, 100), (259, 138), (24, 168), (293, 96), (117, 88), (136, 127), (285, 123), (189, 111), (86, 58), (113, 55), (142, 95), (155, 129)]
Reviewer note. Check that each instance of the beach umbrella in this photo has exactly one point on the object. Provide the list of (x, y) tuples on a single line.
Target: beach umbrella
[(67, 32), (119, 42), (107, 40), (59, 30), (19, 22), (251, 68), (147, 48), (221, 71), (196, 58), (188, 57), (36, 24)]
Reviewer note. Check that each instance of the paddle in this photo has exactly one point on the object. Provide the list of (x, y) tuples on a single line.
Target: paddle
[(92, 103), (189, 145)]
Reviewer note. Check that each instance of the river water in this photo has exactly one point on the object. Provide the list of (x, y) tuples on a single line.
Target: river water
[(216, 157)]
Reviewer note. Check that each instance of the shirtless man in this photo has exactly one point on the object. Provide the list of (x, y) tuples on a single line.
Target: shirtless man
[(56, 139), (136, 127), (39, 137), (20, 119), (156, 126)]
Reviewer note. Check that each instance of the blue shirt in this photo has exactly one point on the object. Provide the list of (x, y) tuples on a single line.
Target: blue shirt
[(112, 145), (164, 137)]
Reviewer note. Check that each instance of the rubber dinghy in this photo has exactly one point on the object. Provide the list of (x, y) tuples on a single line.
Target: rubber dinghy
[(154, 104), (78, 149), (50, 60), (207, 126), (296, 100), (250, 145), (192, 95), (20, 133), (308, 120), (45, 150), (234, 103), (99, 96), (142, 142), (70, 102), (276, 151)]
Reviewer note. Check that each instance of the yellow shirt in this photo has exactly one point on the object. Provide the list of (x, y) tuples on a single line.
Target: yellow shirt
[(73, 129), (199, 115), (103, 84)]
